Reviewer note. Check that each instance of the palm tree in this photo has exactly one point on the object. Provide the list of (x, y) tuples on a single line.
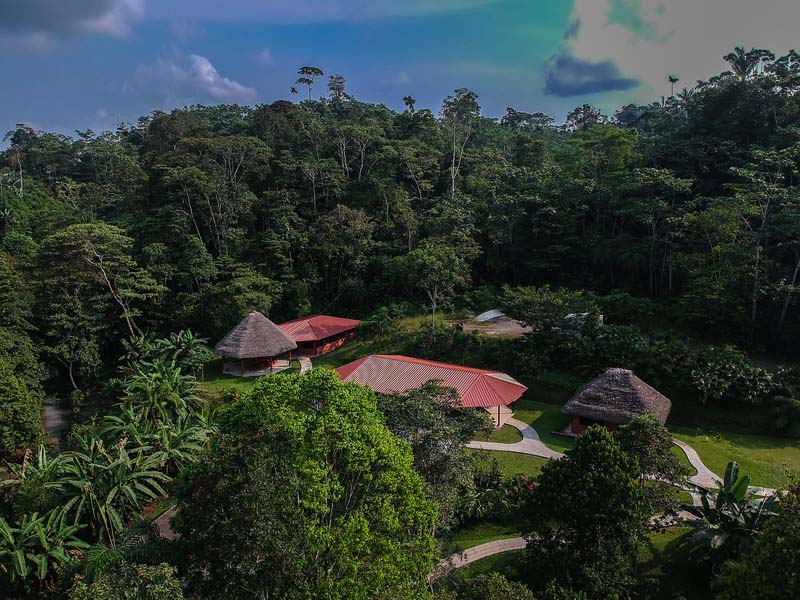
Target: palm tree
[(410, 103), (747, 63), (293, 91), (673, 79), (307, 77)]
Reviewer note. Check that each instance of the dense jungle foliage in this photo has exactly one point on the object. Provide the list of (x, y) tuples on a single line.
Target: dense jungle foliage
[(122, 252)]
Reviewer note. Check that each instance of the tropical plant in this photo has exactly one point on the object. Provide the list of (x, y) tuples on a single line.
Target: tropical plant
[(35, 483), (727, 373), (770, 569), (130, 581), (173, 444), (158, 392), (36, 547), (105, 488), (588, 516), (731, 521)]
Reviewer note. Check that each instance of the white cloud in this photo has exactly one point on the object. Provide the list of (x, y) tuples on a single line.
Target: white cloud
[(175, 82), (265, 57), (38, 24), (686, 37)]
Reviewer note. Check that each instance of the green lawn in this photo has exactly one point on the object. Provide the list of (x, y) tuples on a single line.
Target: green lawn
[(512, 463), (719, 434), (215, 382), (504, 435), (545, 418), (770, 461), (684, 460), (511, 564), (664, 570)]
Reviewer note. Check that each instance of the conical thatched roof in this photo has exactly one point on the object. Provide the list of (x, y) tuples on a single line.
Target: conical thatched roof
[(617, 396), (254, 337)]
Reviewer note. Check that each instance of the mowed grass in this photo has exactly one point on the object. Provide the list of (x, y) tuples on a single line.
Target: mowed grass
[(215, 382), (504, 435), (512, 463), (546, 419), (511, 564), (770, 461)]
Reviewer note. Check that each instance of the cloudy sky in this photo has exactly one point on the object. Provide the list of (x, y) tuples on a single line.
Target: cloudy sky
[(76, 64)]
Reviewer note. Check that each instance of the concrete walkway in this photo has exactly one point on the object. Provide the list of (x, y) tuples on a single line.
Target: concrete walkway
[(162, 522), (470, 555), (531, 443), (305, 364), (705, 477)]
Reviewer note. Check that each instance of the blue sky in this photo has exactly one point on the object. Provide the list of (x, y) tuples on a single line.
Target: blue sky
[(75, 64)]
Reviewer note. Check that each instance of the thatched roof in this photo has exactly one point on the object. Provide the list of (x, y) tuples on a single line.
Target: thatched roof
[(254, 337), (617, 396)]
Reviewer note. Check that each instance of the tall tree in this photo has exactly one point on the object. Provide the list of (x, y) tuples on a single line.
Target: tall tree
[(439, 269), (460, 112), (308, 76), (438, 430), (587, 539), (318, 498)]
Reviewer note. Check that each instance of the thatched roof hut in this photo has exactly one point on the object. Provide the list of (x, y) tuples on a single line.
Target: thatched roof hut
[(255, 337), (614, 398)]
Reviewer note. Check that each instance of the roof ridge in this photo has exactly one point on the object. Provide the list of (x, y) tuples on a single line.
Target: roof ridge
[(425, 361)]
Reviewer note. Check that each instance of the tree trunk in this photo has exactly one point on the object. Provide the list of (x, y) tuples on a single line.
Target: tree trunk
[(790, 292)]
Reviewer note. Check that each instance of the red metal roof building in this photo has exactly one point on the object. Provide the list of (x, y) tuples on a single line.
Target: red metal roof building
[(477, 388), (319, 334)]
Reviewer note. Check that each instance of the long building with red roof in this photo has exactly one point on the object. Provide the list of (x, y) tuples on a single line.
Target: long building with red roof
[(319, 334), (476, 388)]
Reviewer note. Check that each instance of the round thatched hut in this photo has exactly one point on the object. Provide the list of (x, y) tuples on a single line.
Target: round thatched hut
[(256, 346), (613, 399)]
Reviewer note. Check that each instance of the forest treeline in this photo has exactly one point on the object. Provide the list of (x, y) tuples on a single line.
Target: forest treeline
[(687, 207)]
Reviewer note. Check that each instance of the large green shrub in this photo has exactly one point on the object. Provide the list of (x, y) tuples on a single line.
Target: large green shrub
[(20, 412), (132, 582), (725, 373)]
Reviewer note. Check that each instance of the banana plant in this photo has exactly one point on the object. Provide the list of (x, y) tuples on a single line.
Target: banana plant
[(730, 518), (41, 467), (36, 546), (159, 392), (106, 488)]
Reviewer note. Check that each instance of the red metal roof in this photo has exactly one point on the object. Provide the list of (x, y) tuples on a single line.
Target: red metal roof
[(391, 373), (317, 327)]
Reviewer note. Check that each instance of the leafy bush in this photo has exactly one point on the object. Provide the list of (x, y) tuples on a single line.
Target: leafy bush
[(493, 586), (20, 412), (609, 346), (132, 582), (785, 402), (669, 358), (725, 373)]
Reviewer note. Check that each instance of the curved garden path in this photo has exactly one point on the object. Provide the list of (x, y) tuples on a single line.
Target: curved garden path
[(470, 555), (531, 443), (705, 477)]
